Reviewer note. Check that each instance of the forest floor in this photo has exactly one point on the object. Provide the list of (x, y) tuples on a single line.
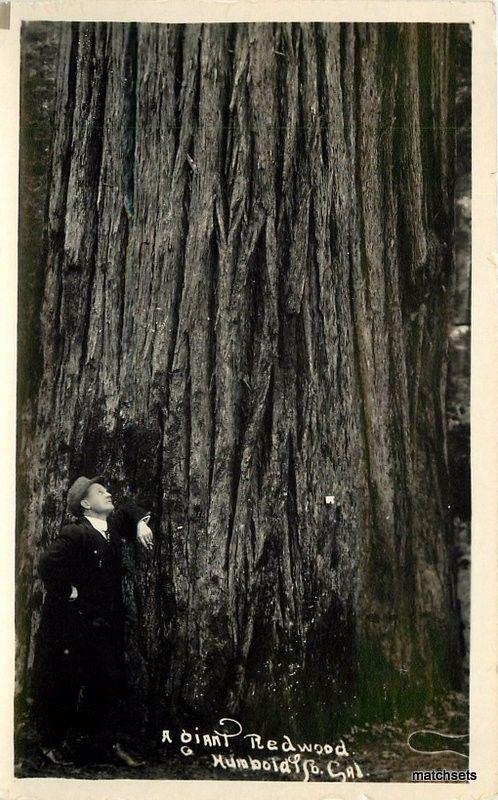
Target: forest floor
[(380, 751)]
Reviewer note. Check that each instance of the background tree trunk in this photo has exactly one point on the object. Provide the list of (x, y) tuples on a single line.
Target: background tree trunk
[(248, 287)]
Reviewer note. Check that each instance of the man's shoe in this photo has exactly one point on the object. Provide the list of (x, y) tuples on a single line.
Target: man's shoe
[(58, 755), (122, 757)]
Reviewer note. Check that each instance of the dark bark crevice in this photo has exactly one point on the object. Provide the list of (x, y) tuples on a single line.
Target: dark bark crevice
[(94, 156), (57, 219)]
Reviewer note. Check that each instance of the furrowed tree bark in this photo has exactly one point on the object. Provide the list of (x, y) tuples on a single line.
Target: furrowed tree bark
[(247, 294)]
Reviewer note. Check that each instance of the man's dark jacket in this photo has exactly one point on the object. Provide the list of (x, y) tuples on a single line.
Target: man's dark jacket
[(81, 557)]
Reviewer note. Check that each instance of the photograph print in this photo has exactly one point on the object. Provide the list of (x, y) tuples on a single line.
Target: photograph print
[(243, 485)]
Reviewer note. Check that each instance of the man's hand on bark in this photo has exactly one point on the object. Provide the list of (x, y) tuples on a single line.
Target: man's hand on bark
[(144, 534)]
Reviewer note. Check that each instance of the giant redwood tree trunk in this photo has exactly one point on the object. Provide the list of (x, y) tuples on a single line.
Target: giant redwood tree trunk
[(247, 292)]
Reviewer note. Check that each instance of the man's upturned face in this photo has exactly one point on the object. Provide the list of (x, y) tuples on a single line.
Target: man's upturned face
[(97, 499)]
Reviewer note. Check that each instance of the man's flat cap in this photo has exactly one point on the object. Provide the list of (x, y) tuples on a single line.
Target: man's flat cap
[(78, 490)]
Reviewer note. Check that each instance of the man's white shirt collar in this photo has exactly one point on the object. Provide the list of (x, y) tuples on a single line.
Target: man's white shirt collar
[(99, 524)]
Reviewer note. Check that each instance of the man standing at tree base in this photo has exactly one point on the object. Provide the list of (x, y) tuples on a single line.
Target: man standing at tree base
[(79, 665)]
